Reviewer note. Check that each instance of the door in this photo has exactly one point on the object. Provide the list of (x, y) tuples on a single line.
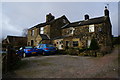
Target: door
[(67, 44), (32, 42)]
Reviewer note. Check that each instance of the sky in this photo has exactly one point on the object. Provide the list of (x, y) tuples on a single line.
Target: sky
[(17, 16)]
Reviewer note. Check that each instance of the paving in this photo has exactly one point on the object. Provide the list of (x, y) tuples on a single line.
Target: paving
[(67, 66)]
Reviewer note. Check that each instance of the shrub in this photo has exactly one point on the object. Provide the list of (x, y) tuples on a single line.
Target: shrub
[(94, 44)]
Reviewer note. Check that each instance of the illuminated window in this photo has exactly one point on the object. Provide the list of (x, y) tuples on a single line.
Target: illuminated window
[(42, 30), (91, 28), (32, 33)]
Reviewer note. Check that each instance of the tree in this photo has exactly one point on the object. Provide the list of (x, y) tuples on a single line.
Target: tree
[(25, 32)]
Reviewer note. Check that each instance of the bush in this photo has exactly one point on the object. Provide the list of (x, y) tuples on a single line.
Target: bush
[(72, 51), (94, 44)]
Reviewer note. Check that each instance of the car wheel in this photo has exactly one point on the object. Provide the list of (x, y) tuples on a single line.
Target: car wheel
[(24, 55)]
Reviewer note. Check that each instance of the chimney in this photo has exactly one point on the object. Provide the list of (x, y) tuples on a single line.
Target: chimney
[(106, 11), (49, 17), (86, 16)]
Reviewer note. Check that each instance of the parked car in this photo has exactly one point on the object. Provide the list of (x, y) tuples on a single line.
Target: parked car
[(27, 51), (46, 49)]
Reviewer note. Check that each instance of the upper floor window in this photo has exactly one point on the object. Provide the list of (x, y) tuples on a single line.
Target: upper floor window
[(100, 29), (32, 33), (64, 21), (91, 28), (42, 30), (71, 31)]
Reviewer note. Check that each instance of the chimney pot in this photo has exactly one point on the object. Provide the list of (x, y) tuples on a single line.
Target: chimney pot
[(86, 16)]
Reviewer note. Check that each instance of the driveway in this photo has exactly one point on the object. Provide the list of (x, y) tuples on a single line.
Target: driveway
[(66, 66)]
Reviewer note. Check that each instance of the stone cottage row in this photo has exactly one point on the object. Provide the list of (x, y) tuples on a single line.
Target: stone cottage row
[(62, 33)]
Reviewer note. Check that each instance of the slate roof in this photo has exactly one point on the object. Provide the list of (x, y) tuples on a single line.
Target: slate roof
[(48, 23), (15, 39), (44, 37), (86, 22)]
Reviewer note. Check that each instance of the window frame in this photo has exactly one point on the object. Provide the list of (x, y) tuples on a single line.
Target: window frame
[(92, 28), (41, 30), (32, 32), (74, 44)]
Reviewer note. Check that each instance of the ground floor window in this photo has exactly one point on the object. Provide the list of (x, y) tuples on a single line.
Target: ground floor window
[(75, 43)]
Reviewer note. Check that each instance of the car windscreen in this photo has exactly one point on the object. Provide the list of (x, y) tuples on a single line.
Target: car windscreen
[(28, 47), (49, 45)]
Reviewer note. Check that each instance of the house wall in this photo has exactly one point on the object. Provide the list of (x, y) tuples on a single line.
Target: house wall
[(59, 44), (38, 40), (101, 34), (55, 28), (70, 40), (47, 30), (32, 37)]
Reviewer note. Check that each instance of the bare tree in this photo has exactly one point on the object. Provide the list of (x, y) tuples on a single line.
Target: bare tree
[(25, 32)]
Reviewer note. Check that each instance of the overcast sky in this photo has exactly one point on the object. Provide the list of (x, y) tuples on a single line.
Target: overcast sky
[(17, 16)]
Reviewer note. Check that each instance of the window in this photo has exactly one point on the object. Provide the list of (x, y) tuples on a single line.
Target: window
[(39, 46), (32, 33), (100, 29), (64, 21), (67, 43), (91, 28), (71, 31), (75, 43), (42, 30)]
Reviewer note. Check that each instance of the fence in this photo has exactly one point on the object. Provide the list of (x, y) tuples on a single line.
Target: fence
[(9, 60)]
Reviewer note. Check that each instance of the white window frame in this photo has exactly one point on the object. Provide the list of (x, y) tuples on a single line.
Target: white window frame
[(71, 31), (33, 32), (42, 30), (92, 28)]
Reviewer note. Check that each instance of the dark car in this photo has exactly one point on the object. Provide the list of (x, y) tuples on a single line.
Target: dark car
[(46, 49), (27, 51)]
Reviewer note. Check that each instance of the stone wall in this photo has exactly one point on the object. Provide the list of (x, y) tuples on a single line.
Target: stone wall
[(32, 37), (55, 27), (47, 30), (101, 34)]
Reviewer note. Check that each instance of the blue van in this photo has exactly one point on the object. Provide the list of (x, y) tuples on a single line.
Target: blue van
[(45, 49)]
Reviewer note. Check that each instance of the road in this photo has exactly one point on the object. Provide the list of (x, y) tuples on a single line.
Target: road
[(66, 66)]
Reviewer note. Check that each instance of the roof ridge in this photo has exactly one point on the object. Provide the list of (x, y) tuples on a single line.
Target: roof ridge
[(88, 19)]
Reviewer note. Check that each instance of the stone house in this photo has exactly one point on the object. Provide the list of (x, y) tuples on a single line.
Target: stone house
[(15, 41), (64, 34), (44, 32)]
